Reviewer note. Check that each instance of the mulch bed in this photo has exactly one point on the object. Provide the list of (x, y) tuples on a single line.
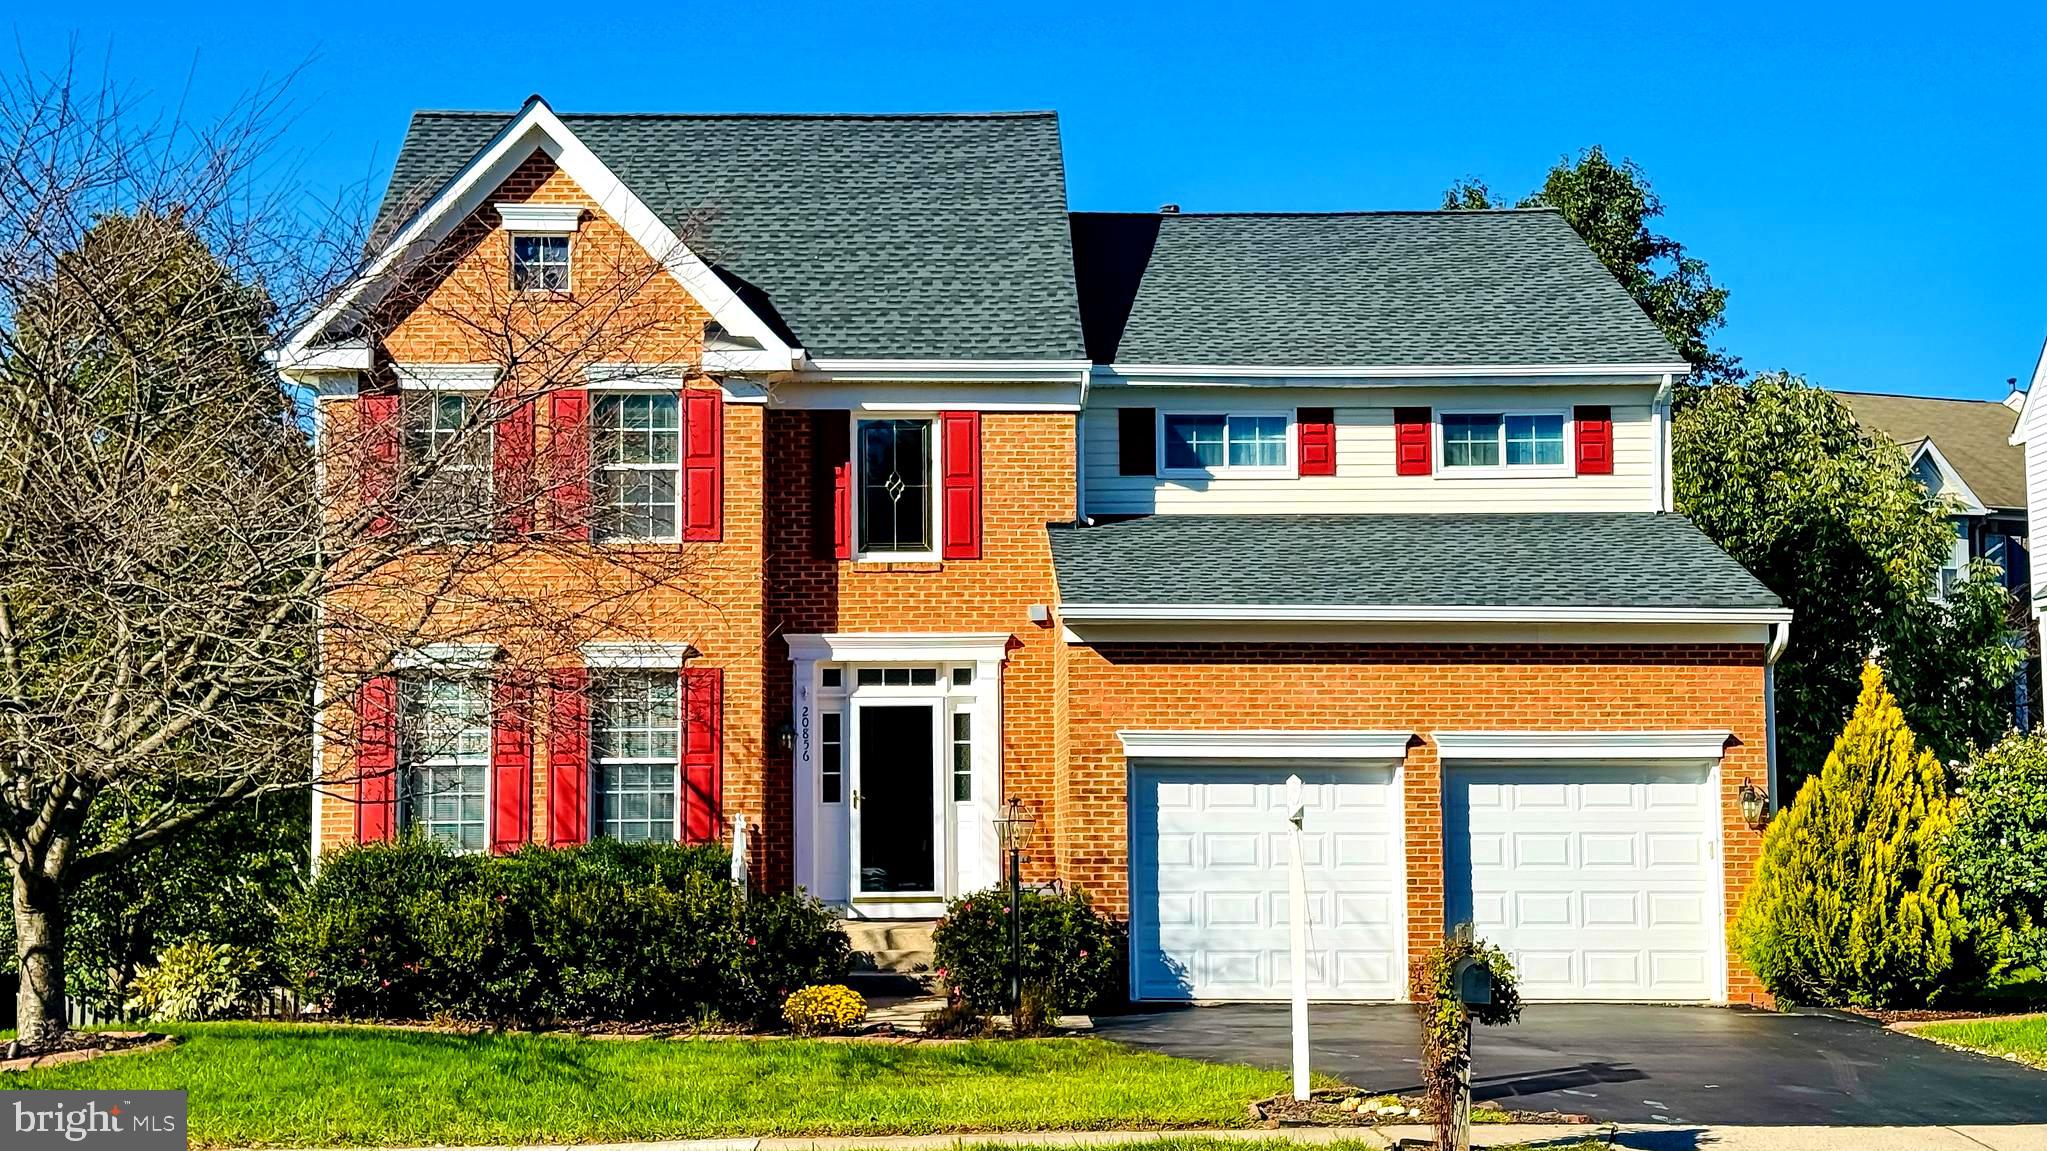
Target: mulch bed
[(1888, 1016), (79, 1046), (1341, 1107)]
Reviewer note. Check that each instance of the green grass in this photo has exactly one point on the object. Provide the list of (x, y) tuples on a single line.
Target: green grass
[(283, 1085), (2024, 1039)]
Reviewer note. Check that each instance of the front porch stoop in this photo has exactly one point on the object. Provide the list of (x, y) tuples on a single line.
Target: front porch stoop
[(891, 957)]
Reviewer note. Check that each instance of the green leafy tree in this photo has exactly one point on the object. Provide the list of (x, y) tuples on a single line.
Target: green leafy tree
[(1999, 847), (1853, 901), (1610, 205), (1831, 519)]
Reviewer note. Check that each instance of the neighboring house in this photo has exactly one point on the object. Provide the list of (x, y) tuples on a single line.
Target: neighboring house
[(1127, 518), (1963, 451)]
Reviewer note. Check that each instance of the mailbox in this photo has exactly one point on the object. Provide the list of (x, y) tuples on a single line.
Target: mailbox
[(1474, 982)]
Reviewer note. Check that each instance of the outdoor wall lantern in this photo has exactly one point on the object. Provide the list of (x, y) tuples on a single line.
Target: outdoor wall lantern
[(785, 736), (1755, 805)]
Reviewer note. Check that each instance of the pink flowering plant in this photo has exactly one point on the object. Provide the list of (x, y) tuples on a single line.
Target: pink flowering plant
[(1072, 953)]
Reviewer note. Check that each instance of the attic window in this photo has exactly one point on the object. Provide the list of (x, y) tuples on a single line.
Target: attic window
[(540, 263)]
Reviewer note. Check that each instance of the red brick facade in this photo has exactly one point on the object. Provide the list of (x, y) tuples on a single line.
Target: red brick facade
[(1062, 704)]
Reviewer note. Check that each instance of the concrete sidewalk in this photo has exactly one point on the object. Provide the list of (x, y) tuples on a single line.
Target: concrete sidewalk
[(1634, 1137)]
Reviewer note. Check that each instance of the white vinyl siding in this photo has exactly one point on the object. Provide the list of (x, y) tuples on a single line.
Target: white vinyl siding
[(1365, 480)]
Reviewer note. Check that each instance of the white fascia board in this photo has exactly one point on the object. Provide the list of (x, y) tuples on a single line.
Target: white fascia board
[(536, 126), (1340, 375), (1952, 485), (350, 356), (1356, 746), (448, 657), (1549, 746), (1402, 613), (2024, 429), (841, 370), (640, 655), (900, 647)]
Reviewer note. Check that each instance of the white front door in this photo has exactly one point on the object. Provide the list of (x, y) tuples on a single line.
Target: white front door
[(1208, 881), (898, 812), (1599, 881)]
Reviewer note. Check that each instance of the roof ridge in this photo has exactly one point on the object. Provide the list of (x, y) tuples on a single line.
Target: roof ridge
[(1542, 210), (1013, 114), (1910, 396)]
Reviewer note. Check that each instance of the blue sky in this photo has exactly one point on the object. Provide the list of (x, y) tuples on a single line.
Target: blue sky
[(1864, 178)]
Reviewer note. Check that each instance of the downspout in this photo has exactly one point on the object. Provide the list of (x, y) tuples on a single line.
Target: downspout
[(1080, 451), (1660, 416), (1780, 638)]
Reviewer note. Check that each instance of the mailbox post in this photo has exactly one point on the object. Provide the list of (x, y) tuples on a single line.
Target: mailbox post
[(1474, 983)]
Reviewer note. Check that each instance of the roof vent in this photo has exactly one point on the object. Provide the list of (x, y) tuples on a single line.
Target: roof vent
[(2015, 397), (1169, 209)]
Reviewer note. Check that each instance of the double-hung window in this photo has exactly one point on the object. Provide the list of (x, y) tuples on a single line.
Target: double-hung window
[(447, 759), (636, 454), (456, 495), (636, 754), (1510, 440), (896, 511), (1227, 443), (540, 263)]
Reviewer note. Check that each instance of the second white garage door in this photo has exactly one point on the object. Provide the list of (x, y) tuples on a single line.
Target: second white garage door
[(1208, 881), (1601, 882)]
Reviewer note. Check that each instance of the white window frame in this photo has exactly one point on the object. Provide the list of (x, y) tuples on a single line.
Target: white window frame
[(1444, 470), (598, 396), (415, 386), (568, 262), (1286, 471), (411, 765), (933, 503), (599, 764)]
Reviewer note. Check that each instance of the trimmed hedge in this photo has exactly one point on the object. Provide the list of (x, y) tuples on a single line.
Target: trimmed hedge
[(1072, 953), (603, 931)]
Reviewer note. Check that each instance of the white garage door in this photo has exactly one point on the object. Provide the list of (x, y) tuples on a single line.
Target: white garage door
[(1600, 882), (1208, 883)]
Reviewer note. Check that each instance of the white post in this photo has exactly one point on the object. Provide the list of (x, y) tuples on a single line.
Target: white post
[(1297, 918), (739, 854)]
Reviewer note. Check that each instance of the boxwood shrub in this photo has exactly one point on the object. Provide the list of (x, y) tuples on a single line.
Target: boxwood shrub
[(602, 931), (1072, 953)]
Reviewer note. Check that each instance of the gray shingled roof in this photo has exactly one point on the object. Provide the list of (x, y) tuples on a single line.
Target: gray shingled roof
[(1369, 289), (941, 236), (1523, 559), (1974, 436)]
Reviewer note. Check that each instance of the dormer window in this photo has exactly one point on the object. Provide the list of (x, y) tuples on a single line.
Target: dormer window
[(539, 236)]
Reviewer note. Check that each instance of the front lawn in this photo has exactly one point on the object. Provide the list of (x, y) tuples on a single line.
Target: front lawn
[(285, 1085), (2023, 1038)]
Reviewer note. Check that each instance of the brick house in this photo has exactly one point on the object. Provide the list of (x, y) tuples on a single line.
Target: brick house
[(1126, 518)]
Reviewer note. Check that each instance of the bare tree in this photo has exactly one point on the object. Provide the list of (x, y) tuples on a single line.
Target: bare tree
[(192, 584)]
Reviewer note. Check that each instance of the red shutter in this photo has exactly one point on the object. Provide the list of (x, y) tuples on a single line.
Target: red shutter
[(1595, 440), (379, 418), (511, 765), (512, 470), (1318, 440), (568, 758), (703, 464), (703, 693), (961, 515), (832, 484), (376, 760), (1411, 440), (568, 447)]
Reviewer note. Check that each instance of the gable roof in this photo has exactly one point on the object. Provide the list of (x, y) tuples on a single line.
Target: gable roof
[(1365, 289), (1505, 560), (1973, 437), (857, 236)]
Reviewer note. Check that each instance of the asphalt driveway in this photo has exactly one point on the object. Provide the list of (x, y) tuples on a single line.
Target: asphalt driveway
[(1633, 1064)]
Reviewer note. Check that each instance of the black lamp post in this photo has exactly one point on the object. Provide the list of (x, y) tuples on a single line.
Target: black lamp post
[(1016, 824)]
